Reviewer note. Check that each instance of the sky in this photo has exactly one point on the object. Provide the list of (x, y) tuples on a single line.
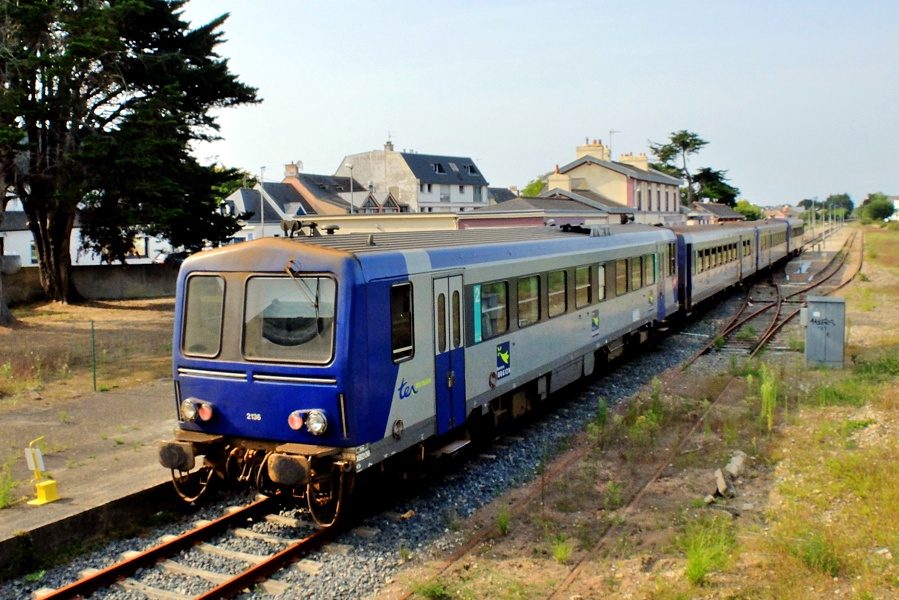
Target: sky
[(797, 99)]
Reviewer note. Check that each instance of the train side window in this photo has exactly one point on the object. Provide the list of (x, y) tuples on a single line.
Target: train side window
[(601, 278), (203, 316), (635, 269), (672, 260), (649, 269), (528, 300), (621, 277), (402, 342), (457, 319), (441, 323), (494, 318), (558, 302), (582, 287)]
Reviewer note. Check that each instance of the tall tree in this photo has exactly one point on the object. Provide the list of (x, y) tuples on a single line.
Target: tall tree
[(713, 186), (6, 317), (86, 84), (750, 211), (681, 144), (842, 201)]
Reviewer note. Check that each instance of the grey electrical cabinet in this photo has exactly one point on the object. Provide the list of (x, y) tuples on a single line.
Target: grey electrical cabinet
[(825, 333)]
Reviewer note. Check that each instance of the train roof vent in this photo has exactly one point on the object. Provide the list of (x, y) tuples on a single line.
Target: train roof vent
[(600, 230)]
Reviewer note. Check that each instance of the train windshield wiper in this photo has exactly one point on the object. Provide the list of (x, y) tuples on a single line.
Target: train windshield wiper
[(313, 299)]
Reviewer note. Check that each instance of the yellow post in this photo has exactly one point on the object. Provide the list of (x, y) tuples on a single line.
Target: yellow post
[(44, 489)]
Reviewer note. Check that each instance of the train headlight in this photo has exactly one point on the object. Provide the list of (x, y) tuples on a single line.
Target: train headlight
[(189, 410), (316, 422)]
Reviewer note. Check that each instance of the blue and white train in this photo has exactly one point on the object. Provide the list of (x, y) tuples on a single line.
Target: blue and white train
[(299, 363)]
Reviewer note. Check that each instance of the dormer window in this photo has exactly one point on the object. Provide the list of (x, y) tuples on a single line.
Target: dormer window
[(438, 168), (471, 170)]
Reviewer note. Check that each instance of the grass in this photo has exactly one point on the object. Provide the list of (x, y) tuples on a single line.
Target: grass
[(7, 483), (562, 549), (502, 521), (707, 543), (55, 357), (747, 332)]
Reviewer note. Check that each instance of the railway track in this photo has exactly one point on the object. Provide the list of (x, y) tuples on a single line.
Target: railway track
[(158, 572), (768, 305)]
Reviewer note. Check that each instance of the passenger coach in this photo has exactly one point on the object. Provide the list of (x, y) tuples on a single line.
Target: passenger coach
[(300, 362)]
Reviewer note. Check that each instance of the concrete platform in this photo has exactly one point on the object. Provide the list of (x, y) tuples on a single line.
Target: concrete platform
[(101, 450)]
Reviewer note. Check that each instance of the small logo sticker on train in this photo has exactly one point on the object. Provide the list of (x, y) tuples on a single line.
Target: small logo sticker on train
[(594, 324), (410, 389), (503, 361)]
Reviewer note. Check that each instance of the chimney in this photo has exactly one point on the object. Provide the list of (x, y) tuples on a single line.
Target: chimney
[(388, 147), (638, 161), (595, 149)]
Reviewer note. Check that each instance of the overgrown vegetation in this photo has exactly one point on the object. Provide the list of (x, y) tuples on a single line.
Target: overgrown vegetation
[(707, 543)]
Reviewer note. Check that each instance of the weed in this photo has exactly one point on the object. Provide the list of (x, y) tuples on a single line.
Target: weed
[(863, 278), (103, 436), (502, 521), (6, 370), (796, 344), (707, 544), (118, 441), (63, 416), (35, 576), (562, 549), (433, 590), (405, 554), (452, 521), (718, 344), (769, 389), (7, 483), (867, 303), (819, 554), (747, 332), (612, 499), (103, 388)]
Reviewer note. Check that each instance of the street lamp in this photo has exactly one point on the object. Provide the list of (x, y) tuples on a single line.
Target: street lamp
[(262, 198), (350, 167)]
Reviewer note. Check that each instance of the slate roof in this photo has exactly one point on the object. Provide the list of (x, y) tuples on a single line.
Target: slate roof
[(545, 204), (719, 210), (651, 175), (455, 170), (14, 220), (590, 199), (328, 188), (500, 194)]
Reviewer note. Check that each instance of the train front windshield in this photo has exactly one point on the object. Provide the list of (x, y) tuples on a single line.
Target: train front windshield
[(285, 319)]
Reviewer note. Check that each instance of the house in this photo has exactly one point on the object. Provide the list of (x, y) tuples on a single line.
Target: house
[(267, 203), (712, 212), (784, 212), (16, 239), (557, 207), (630, 183), (499, 195), (421, 182), (895, 215)]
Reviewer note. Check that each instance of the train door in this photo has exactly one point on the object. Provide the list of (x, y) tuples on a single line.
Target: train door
[(449, 361)]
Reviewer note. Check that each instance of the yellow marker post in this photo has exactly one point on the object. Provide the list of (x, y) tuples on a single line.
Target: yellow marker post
[(44, 489)]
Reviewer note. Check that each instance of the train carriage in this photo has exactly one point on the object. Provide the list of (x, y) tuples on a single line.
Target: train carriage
[(712, 258), (298, 363), (771, 242)]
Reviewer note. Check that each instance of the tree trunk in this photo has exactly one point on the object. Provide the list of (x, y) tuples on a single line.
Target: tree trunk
[(6, 317), (52, 231)]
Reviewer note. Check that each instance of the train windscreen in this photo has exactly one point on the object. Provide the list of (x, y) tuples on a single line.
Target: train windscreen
[(289, 319)]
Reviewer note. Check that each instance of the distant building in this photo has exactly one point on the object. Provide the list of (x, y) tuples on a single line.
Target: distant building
[(16, 239), (784, 212), (895, 201), (629, 183), (421, 182), (717, 213)]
